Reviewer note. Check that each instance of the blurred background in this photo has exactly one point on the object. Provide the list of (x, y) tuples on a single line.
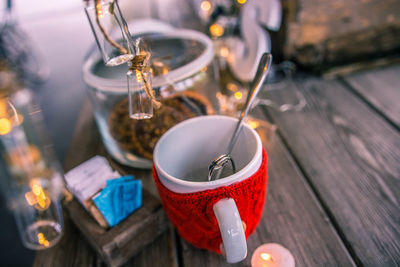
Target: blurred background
[(59, 33)]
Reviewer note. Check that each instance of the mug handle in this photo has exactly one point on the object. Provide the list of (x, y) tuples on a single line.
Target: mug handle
[(231, 227)]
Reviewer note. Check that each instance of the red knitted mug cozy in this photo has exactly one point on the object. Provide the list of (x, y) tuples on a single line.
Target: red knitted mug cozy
[(193, 216)]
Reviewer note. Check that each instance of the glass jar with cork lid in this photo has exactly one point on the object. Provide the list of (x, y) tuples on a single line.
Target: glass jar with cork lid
[(182, 81)]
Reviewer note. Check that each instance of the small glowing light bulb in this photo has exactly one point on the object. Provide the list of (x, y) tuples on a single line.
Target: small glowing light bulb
[(224, 51), (36, 189), (205, 5), (42, 240), (37, 197), (40, 236), (216, 30), (100, 13), (5, 126), (238, 95), (254, 125), (138, 76)]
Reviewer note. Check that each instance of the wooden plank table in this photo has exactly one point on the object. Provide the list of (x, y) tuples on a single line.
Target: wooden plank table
[(380, 89), (334, 183), (290, 198), (350, 156)]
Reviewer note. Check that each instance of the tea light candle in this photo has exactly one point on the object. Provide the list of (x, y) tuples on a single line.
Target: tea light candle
[(272, 255)]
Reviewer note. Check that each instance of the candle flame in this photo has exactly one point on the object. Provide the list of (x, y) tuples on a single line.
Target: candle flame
[(266, 256)]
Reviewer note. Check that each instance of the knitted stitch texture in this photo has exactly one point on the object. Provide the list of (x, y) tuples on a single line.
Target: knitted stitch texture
[(193, 216)]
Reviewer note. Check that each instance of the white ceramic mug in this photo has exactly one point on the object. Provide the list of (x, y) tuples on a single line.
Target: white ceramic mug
[(181, 160)]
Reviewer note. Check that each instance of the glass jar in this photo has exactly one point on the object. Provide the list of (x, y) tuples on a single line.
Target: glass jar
[(103, 17), (33, 186), (182, 80)]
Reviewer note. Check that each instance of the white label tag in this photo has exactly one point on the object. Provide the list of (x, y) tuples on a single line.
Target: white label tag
[(86, 179)]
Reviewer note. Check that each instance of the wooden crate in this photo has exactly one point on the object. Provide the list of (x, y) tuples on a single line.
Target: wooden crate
[(118, 244)]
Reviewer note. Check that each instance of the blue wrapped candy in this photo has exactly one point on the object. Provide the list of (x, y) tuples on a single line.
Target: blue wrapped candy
[(120, 198)]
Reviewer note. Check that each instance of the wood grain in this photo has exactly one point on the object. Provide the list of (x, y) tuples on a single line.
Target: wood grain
[(351, 157), (72, 250), (161, 253), (381, 88), (321, 34), (291, 217)]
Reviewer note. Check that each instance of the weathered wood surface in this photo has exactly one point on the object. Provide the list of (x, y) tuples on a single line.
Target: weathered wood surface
[(74, 249), (321, 33), (351, 157), (381, 89), (292, 217)]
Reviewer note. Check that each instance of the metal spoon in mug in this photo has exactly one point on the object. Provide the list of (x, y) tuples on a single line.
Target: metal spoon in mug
[(219, 163)]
